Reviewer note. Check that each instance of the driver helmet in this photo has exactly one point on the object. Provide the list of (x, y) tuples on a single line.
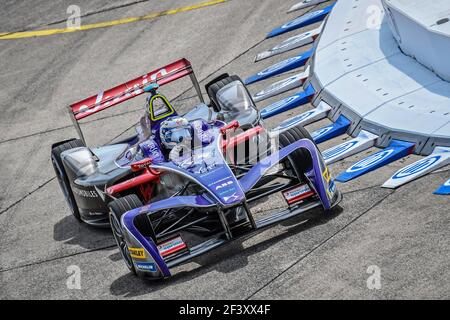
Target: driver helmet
[(175, 130)]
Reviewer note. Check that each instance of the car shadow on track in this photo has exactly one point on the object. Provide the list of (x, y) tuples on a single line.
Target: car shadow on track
[(226, 259), (70, 231)]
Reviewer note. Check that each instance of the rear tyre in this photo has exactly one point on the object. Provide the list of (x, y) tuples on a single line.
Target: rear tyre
[(117, 208), (300, 160), (61, 174)]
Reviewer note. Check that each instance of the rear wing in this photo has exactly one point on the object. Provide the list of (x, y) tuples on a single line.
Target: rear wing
[(131, 89)]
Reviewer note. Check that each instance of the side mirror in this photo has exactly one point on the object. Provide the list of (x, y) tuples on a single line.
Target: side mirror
[(140, 165), (220, 116), (151, 87)]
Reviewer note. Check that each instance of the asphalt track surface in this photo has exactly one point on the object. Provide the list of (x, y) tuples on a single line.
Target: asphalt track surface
[(403, 232)]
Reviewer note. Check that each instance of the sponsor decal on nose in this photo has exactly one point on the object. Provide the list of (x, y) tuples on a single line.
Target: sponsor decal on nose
[(146, 266), (137, 253)]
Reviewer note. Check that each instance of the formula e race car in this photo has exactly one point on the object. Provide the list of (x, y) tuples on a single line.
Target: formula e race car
[(85, 173), (184, 185)]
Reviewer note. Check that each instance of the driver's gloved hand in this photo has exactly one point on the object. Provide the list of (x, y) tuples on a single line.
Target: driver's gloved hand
[(151, 150)]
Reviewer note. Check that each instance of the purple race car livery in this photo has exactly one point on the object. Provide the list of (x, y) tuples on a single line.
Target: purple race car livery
[(184, 185)]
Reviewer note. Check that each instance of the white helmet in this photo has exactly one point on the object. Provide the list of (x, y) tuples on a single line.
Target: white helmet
[(174, 130)]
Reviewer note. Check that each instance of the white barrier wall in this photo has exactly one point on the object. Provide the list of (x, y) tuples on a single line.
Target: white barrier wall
[(422, 30), (360, 71)]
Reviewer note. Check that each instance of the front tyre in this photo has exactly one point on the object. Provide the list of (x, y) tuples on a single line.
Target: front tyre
[(61, 174), (117, 209), (300, 160)]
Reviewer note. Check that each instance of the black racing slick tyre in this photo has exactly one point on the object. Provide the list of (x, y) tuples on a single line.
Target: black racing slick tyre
[(300, 159), (116, 210), (61, 174)]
